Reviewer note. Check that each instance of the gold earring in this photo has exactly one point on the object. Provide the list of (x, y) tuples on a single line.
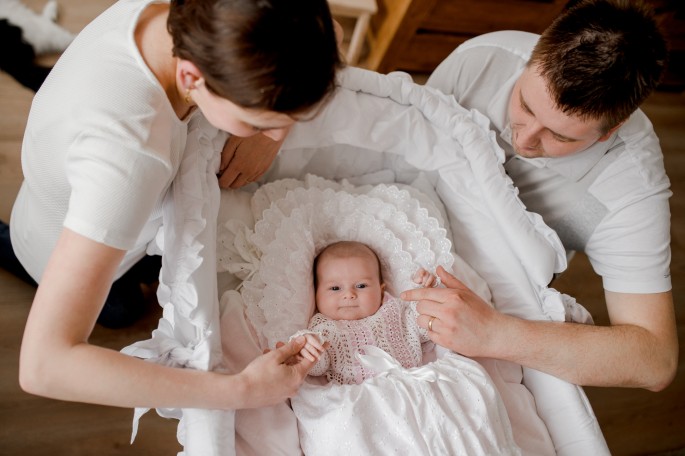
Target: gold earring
[(187, 98)]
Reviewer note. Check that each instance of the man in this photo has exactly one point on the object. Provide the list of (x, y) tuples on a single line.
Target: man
[(565, 110)]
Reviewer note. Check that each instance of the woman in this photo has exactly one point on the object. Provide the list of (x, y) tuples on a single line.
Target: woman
[(103, 143)]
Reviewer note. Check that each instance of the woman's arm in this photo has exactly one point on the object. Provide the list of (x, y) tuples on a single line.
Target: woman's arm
[(244, 160), (57, 361)]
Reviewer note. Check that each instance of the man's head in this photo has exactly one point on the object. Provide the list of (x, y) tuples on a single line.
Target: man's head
[(595, 65)]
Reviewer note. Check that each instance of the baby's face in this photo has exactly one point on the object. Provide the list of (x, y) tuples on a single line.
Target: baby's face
[(348, 288)]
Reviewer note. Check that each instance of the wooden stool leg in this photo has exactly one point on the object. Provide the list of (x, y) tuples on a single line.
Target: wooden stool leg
[(357, 40)]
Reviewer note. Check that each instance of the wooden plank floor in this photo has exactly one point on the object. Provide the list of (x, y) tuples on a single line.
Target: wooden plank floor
[(634, 422), (638, 421)]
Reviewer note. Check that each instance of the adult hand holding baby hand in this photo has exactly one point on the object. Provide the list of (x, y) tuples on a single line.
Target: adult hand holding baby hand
[(274, 376), (313, 347), (425, 278), (457, 318)]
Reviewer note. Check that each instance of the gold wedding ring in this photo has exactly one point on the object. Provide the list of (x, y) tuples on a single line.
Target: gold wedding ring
[(430, 324)]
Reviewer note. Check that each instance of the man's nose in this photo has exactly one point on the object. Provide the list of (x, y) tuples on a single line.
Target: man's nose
[(528, 135)]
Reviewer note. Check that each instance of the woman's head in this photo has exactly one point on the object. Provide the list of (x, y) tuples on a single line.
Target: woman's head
[(264, 55), (347, 281)]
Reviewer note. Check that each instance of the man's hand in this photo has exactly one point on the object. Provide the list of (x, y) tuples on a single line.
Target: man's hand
[(639, 349), (459, 319)]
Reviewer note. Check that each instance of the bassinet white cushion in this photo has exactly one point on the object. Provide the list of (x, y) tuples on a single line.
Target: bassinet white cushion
[(378, 123), (295, 227), (294, 221)]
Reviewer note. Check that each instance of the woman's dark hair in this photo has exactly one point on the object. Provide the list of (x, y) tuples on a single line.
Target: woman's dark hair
[(601, 59), (277, 55)]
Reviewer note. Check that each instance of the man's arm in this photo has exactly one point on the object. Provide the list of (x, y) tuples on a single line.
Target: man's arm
[(639, 349)]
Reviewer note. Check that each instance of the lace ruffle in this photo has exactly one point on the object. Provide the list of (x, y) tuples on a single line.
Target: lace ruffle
[(188, 334), (305, 216)]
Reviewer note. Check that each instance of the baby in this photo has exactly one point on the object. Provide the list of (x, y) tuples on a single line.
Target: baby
[(354, 310)]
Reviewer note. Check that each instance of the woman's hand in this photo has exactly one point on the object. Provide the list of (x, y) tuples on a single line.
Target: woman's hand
[(244, 160), (275, 376)]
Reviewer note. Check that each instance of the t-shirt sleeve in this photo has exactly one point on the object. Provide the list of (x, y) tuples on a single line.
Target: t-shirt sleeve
[(115, 183), (630, 247)]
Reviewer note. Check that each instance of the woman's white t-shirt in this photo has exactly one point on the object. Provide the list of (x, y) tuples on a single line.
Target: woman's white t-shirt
[(101, 146)]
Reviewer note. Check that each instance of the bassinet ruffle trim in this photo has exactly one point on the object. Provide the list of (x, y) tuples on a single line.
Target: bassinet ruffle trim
[(188, 335)]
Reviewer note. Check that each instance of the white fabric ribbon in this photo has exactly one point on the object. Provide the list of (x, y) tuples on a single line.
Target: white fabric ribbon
[(163, 348), (383, 364)]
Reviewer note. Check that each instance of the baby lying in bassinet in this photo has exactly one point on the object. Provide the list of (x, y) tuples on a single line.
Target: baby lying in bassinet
[(449, 406), (354, 316), (354, 310)]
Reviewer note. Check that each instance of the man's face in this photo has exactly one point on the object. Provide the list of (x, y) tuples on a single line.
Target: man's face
[(539, 128)]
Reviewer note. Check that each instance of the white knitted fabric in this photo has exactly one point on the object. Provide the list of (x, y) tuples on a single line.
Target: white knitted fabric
[(393, 328)]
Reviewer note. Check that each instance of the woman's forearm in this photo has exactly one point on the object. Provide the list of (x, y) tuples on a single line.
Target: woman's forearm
[(87, 373)]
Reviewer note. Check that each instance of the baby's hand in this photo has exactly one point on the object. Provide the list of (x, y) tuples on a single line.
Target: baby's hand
[(313, 348), (425, 278)]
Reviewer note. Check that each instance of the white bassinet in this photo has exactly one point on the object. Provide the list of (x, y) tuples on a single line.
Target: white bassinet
[(377, 129)]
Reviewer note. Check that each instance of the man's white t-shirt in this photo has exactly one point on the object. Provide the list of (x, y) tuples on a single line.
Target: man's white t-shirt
[(609, 201), (101, 146)]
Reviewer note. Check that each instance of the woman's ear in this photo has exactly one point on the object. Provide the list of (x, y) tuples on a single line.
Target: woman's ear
[(188, 74)]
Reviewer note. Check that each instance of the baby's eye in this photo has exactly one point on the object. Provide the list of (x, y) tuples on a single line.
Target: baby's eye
[(335, 288), (361, 285)]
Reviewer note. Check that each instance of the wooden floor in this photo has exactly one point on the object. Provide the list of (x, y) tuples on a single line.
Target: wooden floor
[(634, 422)]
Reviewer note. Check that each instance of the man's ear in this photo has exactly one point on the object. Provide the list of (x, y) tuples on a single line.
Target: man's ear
[(188, 74), (611, 131)]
